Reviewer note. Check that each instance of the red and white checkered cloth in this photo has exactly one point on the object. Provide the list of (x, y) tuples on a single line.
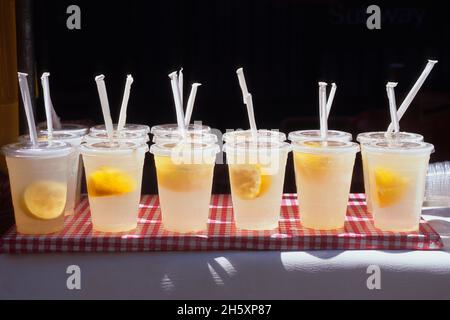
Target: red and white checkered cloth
[(359, 233)]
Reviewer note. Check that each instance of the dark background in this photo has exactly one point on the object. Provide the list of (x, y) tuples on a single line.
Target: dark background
[(285, 46)]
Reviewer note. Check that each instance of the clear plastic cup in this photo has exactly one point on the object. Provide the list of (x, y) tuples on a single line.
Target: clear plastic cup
[(184, 175), (123, 136), (39, 184), (315, 134), (256, 170), (70, 128), (114, 179), (248, 135), (74, 165), (129, 127), (173, 127), (323, 173), (370, 137), (397, 173), (176, 137)]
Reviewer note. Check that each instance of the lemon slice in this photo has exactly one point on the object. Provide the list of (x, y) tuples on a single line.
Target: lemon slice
[(311, 166), (45, 200), (108, 181), (182, 177), (389, 186), (248, 181)]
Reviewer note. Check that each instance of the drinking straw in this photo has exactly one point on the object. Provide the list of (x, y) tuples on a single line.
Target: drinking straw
[(180, 85), (123, 108), (393, 106), (47, 104), (331, 98), (190, 103), (56, 120), (414, 90), (178, 107), (323, 111), (100, 80), (243, 84), (251, 114), (26, 98)]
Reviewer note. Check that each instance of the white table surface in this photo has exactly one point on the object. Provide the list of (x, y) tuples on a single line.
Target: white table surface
[(234, 275)]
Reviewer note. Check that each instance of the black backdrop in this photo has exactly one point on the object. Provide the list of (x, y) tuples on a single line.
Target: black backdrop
[(285, 46)]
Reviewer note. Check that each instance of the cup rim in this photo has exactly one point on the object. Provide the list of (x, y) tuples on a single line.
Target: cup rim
[(399, 147), (332, 146), (365, 137), (334, 135), (43, 149)]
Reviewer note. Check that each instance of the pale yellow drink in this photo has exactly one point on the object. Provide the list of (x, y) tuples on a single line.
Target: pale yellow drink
[(323, 172), (256, 172), (38, 177), (185, 174), (370, 137), (114, 178), (397, 172)]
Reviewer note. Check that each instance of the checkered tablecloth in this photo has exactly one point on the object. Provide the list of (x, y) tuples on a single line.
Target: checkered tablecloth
[(358, 234)]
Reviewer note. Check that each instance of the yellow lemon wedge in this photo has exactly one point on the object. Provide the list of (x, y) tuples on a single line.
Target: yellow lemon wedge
[(108, 181), (311, 165), (389, 186), (182, 177), (45, 200), (249, 181)]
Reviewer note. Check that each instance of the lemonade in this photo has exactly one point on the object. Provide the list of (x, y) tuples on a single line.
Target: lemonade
[(256, 172), (38, 177), (397, 172), (114, 178), (370, 137), (185, 173), (323, 173)]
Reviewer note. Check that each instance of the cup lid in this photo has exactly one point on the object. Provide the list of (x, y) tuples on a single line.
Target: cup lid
[(316, 146), (369, 137), (173, 127), (43, 149), (250, 146), (73, 128), (68, 137), (400, 147), (113, 148), (184, 147), (190, 136), (261, 135), (117, 136), (315, 134), (129, 127)]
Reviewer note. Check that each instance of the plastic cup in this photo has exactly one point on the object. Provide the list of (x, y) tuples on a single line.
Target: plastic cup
[(70, 128), (120, 137), (323, 173), (256, 170), (114, 179), (39, 184), (315, 134), (184, 174), (173, 127), (370, 137), (248, 135), (176, 137), (129, 127), (397, 174), (74, 165)]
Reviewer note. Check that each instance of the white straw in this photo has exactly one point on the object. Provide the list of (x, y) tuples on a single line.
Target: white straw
[(393, 105), (190, 103), (251, 113), (415, 89), (123, 108), (323, 110), (178, 107), (47, 104), (105, 105), (181, 86), (56, 120), (242, 83), (26, 98), (331, 98)]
